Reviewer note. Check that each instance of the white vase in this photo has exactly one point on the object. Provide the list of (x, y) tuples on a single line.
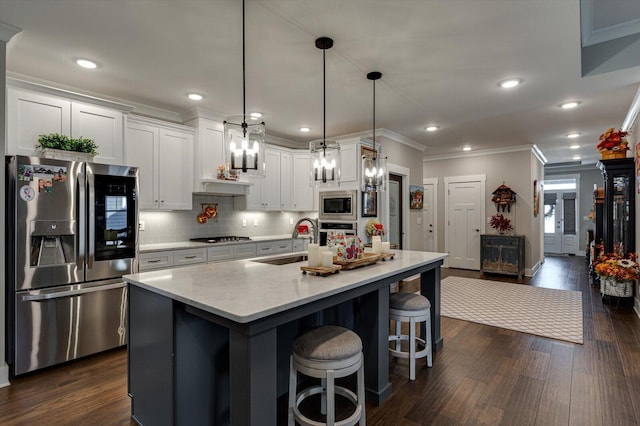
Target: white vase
[(613, 287)]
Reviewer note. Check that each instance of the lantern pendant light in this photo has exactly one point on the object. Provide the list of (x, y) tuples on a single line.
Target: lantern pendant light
[(244, 142), (374, 168), (324, 155)]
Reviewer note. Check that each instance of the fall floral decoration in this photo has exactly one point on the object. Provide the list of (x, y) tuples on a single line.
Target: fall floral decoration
[(500, 223), (613, 144), (373, 227), (616, 267)]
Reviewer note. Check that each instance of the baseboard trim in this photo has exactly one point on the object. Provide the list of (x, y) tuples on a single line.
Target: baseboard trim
[(530, 272), (4, 376)]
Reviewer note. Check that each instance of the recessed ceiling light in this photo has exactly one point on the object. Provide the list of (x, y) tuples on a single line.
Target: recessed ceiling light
[(195, 96), (573, 135), (431, 128), (85, 63), (255, 115), (574, 146), (510, 83), (466, 148), (305, 129), (569, 105), (577, 157)]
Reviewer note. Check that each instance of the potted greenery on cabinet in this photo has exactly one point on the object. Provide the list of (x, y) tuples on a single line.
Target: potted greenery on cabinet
[(62, 147)]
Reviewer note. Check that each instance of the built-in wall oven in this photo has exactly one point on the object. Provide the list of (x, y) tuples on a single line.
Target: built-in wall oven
[(71, 233), (329, 229), (338, 206)]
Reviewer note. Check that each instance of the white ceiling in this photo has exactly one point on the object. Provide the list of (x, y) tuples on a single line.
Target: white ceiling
[(441, 61)]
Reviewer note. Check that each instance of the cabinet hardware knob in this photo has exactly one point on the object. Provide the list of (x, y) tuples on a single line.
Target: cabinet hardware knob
[(477, 230)]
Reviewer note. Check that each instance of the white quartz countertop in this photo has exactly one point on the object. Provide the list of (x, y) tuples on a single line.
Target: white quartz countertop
[(181, 245), (245, 290)]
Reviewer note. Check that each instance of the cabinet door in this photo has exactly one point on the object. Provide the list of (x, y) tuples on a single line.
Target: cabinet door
[(104, 126), (254, 197), (271, 189), (142, 152), (285, 181), (210, 149), (30, 115), (175, 169), (302, 192), (349, 161)]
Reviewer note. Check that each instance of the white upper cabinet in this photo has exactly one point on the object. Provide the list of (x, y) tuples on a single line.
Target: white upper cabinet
[(209, 151), (303, 195), (349, 162), (164, 155), (104, 126), (286, 178), (34, 110)]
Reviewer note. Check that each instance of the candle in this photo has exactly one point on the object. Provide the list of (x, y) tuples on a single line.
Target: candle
[(376, 245), (376, 238), (313, 254), (327, 259), (386, 247)]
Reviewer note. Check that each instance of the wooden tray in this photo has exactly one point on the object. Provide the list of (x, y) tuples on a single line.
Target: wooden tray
[(321, 270), (368, 259), (386, 256)]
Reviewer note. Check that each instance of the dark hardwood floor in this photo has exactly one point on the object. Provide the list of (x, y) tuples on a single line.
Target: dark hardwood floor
[(483, 375)]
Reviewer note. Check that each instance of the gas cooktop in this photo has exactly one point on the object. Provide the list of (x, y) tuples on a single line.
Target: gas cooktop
[(213, 240)]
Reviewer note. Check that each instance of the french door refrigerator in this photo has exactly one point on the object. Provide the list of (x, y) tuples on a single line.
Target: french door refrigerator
[(72, 233)]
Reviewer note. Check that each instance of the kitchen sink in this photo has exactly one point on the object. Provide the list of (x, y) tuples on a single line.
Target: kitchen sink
[(282, 260)]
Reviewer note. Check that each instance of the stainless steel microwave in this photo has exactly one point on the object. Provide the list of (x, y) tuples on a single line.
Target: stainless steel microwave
[(338, 205)]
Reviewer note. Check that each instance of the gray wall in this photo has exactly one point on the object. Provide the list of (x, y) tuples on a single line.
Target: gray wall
[(517, 170), (411, 158)]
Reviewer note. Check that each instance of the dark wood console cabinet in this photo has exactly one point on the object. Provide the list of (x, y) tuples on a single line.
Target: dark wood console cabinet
[(502, 254)]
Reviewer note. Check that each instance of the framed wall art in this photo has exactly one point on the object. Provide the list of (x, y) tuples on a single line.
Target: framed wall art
[(369, 204), (416, 194)]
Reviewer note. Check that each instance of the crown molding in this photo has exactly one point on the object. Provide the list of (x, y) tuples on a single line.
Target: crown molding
[(7, 32), (479, 153), (385, 134), (539, 155)]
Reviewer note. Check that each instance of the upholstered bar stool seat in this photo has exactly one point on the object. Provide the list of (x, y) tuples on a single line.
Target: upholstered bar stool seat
[(327, 353), (413, 309)]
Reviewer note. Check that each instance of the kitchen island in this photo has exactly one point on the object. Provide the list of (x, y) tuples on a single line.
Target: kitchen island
[(210, 343)]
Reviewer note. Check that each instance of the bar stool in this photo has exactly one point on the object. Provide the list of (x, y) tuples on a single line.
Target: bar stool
[(411, 308), (327, 353)]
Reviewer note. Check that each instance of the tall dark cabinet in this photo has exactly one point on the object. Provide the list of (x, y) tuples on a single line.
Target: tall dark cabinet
[(618, 210)]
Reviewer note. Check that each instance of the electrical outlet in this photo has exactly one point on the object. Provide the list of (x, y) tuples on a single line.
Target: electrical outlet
[(290, 221), (141, 225), (244, 223), (255, 222)]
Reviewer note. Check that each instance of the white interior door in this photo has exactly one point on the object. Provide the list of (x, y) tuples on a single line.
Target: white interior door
[(428, 217), (465, 210)]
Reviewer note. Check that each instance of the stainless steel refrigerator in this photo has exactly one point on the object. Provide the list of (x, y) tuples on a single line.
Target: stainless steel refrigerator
[(71, 235)]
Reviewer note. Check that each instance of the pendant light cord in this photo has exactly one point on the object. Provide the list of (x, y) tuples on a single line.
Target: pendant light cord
[(244, 92), (324, 99), (374, 121)]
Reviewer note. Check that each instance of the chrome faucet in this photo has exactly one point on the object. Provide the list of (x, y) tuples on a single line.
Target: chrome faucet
[(314, 225)]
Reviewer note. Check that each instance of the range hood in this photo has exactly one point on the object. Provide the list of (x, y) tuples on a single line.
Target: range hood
[(227, 188)]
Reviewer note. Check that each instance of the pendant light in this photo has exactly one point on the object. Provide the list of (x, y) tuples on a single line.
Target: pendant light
[(324, 155), (374, 168), (244, 142)]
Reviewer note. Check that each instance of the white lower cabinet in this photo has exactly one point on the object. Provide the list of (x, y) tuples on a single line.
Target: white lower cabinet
[(300, 244), (231, 252), (189, 257), (155, 260), (274, 247)]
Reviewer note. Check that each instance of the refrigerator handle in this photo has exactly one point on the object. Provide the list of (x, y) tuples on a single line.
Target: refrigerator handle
[(91, 217), (69, 293), (81, 224)]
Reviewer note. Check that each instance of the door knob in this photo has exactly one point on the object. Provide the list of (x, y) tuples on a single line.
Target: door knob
[(477, 230)]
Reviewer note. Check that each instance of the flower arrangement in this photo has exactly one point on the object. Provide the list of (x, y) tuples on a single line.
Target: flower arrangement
[(613, 140), (500, 223), (616, 267), (373, 227)]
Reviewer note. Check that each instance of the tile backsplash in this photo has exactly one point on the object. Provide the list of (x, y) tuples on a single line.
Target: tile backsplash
[(176, 226)]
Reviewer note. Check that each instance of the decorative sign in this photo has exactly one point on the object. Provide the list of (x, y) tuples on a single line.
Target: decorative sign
[(638, 166), (536, 198)]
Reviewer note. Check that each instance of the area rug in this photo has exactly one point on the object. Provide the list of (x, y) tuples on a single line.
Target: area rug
[(541, 311)]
